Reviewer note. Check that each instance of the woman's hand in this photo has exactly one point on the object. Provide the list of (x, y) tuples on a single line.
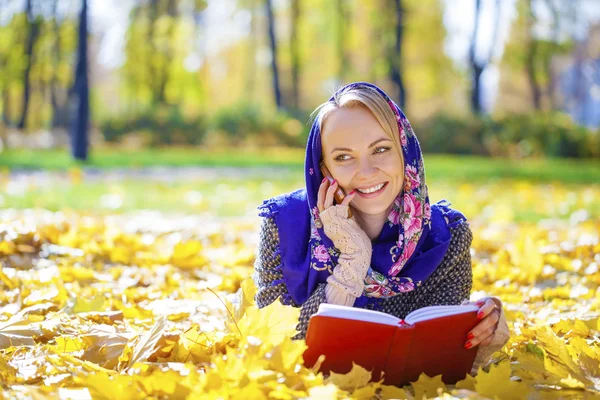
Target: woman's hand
[(344, 232), (483, 333), (325, 195), (347, 280)]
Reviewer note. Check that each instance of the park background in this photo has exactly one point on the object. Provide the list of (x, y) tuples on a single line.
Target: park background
[(137, 139)]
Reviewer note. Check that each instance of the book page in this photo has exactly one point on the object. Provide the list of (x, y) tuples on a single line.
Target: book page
[(431, 312), (359, 314)]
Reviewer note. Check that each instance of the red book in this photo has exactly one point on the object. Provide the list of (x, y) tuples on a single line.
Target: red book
[(429, 340)]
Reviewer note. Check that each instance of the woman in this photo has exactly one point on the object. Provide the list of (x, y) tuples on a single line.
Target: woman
[(384, 247)]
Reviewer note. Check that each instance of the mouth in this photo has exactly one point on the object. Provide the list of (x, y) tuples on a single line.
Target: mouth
[(370, 192)]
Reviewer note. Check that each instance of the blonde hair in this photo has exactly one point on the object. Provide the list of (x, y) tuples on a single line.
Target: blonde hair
[(362, 96)]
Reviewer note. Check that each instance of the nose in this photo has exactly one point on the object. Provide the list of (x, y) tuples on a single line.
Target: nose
[(366, 170)]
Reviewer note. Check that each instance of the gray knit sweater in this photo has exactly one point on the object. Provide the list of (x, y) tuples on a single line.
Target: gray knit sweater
[(450, 284)]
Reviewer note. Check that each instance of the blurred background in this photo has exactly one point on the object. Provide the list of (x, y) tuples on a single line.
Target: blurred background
[(98, 98)]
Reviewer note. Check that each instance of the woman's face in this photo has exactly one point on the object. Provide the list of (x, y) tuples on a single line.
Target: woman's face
[(361, 156)]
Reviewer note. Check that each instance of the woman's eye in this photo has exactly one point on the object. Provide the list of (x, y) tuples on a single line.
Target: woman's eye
[(381, 149), (341, 157)]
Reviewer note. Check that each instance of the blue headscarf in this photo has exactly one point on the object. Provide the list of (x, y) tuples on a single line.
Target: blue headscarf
[(411, 245)]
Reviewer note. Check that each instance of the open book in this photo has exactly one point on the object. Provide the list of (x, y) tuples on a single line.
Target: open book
[(429, 340)]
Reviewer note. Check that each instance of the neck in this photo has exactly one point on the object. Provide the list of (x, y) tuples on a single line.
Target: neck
[(372, 224)]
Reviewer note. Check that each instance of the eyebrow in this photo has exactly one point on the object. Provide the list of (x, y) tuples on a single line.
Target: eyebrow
[(371, 145)]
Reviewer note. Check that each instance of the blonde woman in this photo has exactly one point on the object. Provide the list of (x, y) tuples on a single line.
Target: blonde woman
[(384, 246)]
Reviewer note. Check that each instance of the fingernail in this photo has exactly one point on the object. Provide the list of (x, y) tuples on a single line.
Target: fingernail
[(480, 303), (333, 182), (324, 179), (468, 345), (470, 336), (480, 315), (351, 192)]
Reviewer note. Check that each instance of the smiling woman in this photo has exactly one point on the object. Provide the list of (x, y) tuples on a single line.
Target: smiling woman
[(395, 252)]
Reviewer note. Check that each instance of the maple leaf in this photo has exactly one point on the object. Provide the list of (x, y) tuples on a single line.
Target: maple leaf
[(356, 378), (428, 387), (146, 345), (497, 383), (467, 384), (324, 392), (271, 324), (18, 331)]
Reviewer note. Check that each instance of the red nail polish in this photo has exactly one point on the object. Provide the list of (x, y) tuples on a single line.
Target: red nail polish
[(351, 192), (324, 179), (480, 315), (480, 303), (334, 181), (468, 345), (470, 336)]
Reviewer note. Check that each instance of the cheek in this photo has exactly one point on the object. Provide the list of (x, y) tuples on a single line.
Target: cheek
[(343, 174)]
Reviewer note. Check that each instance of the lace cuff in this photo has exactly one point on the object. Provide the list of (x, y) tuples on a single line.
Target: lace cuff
[(344, 232), (338, 295)]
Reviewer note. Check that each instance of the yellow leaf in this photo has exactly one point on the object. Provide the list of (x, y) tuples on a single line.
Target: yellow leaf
[(10, 283), (572, 328), (271, 324), (246, 294), (96, 303), (116, 387), (287, 354), (147, 342), (428, 387), (468, 383), (356, 378), (497, 383), (18, 331), (393, 392), (66, 344), (324, 392)]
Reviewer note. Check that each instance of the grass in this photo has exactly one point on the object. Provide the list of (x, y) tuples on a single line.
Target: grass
[(438, 167)]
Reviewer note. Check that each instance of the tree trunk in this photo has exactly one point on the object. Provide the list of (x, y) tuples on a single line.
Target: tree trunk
[(295, 54), (476, 67), (273, 42), (396, 57), (551, 86), (58, 98), (252, 45), (169, 56), (530, 59), (79, 136), (341, 40), (31, 39)]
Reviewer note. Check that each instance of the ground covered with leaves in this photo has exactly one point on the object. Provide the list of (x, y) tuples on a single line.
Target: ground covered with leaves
[(145, 305)]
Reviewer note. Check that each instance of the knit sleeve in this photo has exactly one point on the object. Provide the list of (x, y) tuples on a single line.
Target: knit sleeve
[(268, 278), (310, 306), (455, 279)]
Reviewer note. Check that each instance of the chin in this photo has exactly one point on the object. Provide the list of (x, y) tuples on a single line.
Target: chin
[(374, 208)]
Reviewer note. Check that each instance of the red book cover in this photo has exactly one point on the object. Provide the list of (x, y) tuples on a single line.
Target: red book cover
[(430, 340)]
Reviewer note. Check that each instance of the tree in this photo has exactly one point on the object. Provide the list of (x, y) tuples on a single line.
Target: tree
[(478, 64), (295, 54), (530, 60), (80, 98), (342, 18), (396, 55), (32, 35), (273, 43)]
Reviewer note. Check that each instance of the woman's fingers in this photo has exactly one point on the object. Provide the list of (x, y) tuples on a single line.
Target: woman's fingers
[(329, 196), (321, 194), (349, 198), (483, 338), (483, 330), (487, 307)]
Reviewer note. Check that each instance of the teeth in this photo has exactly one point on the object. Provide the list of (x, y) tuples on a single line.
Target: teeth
[(371, 190)]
